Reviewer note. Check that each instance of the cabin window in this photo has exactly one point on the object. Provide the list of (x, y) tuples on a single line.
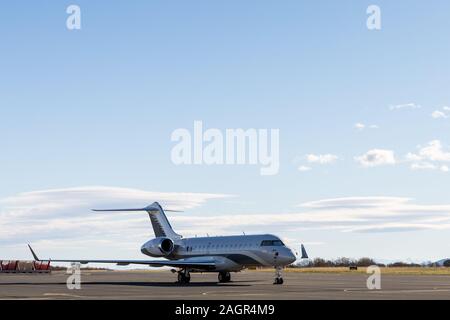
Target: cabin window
[(272, 243)]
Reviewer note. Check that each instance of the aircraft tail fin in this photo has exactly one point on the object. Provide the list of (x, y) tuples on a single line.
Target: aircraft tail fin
[(160, 223), (304, 253)]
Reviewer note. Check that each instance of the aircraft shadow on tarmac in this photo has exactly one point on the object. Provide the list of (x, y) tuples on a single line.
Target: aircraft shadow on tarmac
[(137, 284)]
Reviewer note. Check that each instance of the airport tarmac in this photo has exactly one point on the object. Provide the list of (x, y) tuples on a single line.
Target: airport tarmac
[(248, 285)]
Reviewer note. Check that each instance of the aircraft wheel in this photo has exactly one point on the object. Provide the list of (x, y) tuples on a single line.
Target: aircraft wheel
[(224, 277), (279, 281), (184, 279)]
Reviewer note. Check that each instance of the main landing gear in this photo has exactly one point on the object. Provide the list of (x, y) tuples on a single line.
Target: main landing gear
[(224, 277), (278, 276), (184, 277)]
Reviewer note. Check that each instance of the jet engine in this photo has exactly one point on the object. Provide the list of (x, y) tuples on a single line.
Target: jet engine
[(159, 247)]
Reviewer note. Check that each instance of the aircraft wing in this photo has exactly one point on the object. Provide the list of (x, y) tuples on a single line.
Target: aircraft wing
[(152, 263), (182, 263)]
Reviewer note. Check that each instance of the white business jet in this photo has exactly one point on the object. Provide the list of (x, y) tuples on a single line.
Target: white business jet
[(207, 254)]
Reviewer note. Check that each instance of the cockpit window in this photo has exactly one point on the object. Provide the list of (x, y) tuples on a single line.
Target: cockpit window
[(272, 243)]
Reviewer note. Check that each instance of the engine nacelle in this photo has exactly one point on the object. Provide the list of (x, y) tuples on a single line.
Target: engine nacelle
[(159, 247)]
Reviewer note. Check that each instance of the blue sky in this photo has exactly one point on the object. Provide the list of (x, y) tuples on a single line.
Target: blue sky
[(96, 107)]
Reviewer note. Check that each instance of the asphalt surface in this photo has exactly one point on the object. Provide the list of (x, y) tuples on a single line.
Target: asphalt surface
[(248, 285)]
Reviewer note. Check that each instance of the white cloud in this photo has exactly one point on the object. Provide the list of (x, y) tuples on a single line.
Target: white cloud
[(98, 195), (351, 214), (438, 114), (405, 106), (434, 151), (66, 213), (429, 157), (444, 113), (412, 157), (361, 126), (376, 157), (354, 202), (378, 214), (304, 168), (71, 226), (321, 158), (429, 166), (423, 166)]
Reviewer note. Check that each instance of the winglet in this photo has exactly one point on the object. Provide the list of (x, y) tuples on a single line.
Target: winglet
[(34, 254), (304, 253)]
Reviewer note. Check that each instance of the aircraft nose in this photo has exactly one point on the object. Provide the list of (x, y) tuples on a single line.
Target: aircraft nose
[(291, 257), (287, 257)]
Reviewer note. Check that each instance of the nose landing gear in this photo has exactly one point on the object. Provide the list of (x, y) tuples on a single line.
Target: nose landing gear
[(278, 276), (224, 277), (184, 277)]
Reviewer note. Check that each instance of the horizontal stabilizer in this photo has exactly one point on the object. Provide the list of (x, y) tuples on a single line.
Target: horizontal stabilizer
[(147, 209), (161, 226)]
